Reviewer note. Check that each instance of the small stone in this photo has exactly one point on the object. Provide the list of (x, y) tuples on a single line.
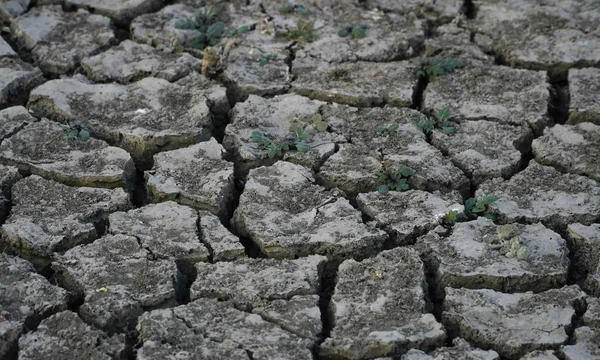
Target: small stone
[(541, 193), (167, 230), (485, 149), (223, 245), (130, 62), (407, 214), (287, 215), (379, 308), (43, 148), (17, 79), (361, 84), (217, 330), (512, 324), (145, 117), (195, 176), (66, 336), (117, 278), (48, 217), (584, 91), (121, 11), (13, 120), (570, 148), (495, 93), (25, 299), (585, 241), (585, 347), (283, 291), (58, 40), (460, 351), (464, 260)]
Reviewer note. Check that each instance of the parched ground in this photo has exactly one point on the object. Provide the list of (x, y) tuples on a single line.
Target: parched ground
[(143, 218)]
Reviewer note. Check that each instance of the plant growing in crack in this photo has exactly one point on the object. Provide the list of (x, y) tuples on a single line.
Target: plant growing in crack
[(210, 32), (390, 129), (435, 66), (508, 245), (394, 177), (266, 58), (475, 208), (357, 32), (313, 122), (275, 146), (439, 121), (289, 8), (77, 130), (303, 32), (449, 219)]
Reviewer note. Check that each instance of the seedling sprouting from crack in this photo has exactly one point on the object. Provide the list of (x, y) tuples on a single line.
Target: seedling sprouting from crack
[(275, 146), (440, 121), (394, 177), (77, 130), (438, 66), (303, 32), (210, 32), (390, 129), (449, 219), (357, 32), (289, 8), (266, 58), (508, 245), (475, 208)]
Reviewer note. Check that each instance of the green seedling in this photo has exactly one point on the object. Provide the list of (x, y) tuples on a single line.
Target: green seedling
[(475, 208), (357, 32), (289, 8), (266, 58), (438, 66), (439, 121), (450, 218), (275, 146), (390, 129), (77, 130), (516, 250), (394, 177), (210, 32), (303, 32)]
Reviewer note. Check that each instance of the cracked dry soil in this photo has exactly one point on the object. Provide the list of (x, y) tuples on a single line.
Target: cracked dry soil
[(171, 234)]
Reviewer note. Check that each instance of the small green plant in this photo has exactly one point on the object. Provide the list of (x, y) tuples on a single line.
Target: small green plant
[(508, 245), (210, 32), (450, 218), (475, 208), (237, 32), (394, 177), (439, 121), (77, 130), (438, 66), (390, 129), (266, 58), (357, 32), (303, 32), (276, 145), (289, 8)]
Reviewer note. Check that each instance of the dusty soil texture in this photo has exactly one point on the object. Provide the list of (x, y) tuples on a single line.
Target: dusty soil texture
[(306, 179)]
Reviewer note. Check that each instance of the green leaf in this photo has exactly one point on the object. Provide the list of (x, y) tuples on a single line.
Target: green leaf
[(343, 32), (216, 29), (72, 133), (243, 29), (380, 129), (84, 134), (263, 61), (178, 49), (523, 253), (489, 199), (402, 185), (321, 126), (257, 136), (490, 216), (359, 32), (300, 9), (383, 189), (443, 114), (185, 24), (302, 147), (316, 118), (300, 134), (287, 8), (479, 207), (448, 130), (405, 170), (469, 204)]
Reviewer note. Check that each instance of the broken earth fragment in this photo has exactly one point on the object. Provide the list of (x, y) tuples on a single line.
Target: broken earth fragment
[(195, 176), (384, 316), (287, 216)]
